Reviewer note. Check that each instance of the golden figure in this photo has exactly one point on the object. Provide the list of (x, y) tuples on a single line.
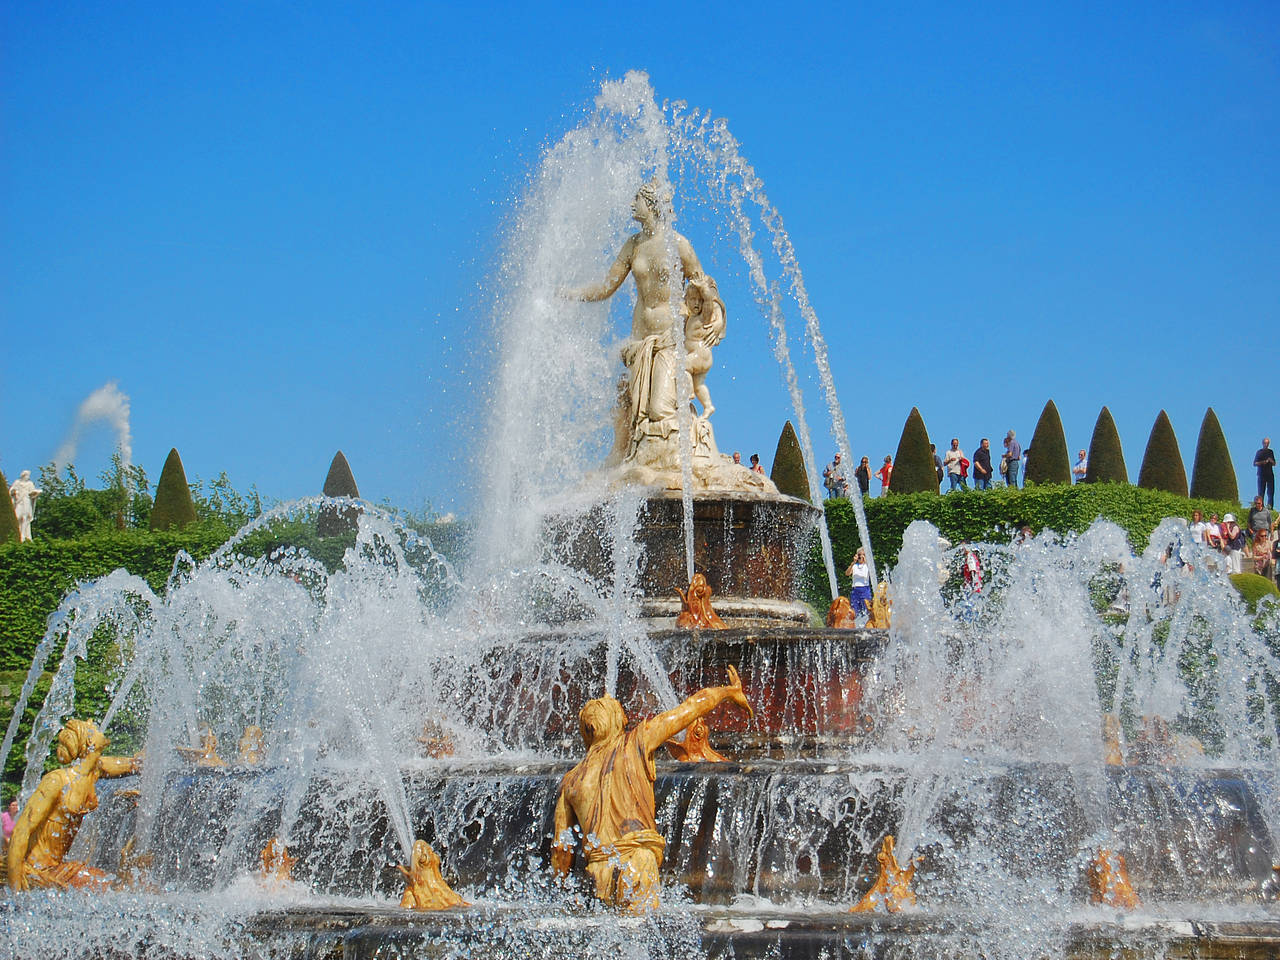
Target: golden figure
[(840, 615), (1109, 881), (1111, 740), (424, 887), (696, 746), (48, 824), (133, 867), (881, 606), (437, 742), (891, 892), (252, 746), (695, 606), (277, 865), (608, 796), (205, 755)]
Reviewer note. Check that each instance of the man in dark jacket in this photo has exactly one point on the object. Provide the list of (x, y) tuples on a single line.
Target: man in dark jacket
[(982, 466), (1265, 461)]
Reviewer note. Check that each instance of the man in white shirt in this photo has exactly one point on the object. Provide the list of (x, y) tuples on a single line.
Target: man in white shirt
[(1081, 468), (952, 464)]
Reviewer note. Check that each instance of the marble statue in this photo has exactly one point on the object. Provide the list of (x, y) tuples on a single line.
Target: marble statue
[(48, 824), (425, 888), (608, 796), (23, 493), (646, 447), (704, 327)]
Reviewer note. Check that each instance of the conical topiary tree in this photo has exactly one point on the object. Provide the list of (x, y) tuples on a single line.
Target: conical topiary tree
[(339, 482), (1162, 467), (174, 507), (913, 470), (1050, 462), (789, 474), (1212, 476), (1106, 458), (8, 519)]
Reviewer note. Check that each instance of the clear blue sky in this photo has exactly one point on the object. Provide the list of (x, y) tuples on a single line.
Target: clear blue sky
[(273, 224)]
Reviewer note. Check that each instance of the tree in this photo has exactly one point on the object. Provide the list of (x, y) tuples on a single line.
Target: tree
[(913, 469), (339, 482), (8, 519), (1162, 467), (1051, 463), (1212, 475), (789, 474), (174, 507), (1106, 458)]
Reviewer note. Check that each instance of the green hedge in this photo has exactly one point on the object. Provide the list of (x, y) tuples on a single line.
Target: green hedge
[(994, 515)]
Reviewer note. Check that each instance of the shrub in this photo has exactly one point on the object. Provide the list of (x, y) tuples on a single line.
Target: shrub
[(8, 519), (1212, 475), (789, 474), (913, 469), (339, 482), (1162, 467), (174, 508), (994, 516), (1106, 458), (1253, 588), (1051, 463), (334, 522)]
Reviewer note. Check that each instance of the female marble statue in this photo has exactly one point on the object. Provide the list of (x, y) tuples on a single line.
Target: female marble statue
[(650, 356)]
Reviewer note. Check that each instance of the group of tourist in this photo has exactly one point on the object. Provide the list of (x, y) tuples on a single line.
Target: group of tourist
[(1254, 545), (954, 466)]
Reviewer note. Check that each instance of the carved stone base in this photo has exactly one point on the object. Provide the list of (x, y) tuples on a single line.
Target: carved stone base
[(752, 549)]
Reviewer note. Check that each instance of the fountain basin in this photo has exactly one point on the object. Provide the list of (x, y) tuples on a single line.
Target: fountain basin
[(750, 546)]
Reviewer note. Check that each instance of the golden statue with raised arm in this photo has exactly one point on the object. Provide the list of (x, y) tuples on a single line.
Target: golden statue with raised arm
[(608, 796), (48, 824)]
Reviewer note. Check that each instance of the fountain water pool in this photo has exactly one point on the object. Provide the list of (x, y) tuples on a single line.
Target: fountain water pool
[(400, 700)]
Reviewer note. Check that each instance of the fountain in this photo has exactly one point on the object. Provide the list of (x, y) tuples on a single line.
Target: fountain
[(1080, 760)]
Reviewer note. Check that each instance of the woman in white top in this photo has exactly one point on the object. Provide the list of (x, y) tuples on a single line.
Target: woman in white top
[(860, 594), (1198, 527)]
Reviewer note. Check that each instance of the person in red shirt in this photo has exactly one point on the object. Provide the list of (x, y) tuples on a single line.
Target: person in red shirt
[(885, 473)]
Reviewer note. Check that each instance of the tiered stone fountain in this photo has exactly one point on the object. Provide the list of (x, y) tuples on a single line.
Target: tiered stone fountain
[(392, 701)]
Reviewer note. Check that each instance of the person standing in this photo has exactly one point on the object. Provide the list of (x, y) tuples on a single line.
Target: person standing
[(737, 459), (937, 463), (1233, 544), (833, 479), (860, 591), (1265, 461), (952, 462), (755, 464), (1198, 527), (863, 476), (7, 820), (1081, 468), (885, 473), (1260, 518), (982, 465), (1013, 450)]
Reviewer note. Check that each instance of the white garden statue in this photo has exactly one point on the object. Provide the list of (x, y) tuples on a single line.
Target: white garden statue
[(23, 493), (646, 448)]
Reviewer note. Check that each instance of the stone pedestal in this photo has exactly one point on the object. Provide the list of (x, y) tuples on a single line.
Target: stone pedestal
[(752, 549)]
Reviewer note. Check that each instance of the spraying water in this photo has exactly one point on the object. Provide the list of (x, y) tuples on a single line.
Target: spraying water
[(108, 403)]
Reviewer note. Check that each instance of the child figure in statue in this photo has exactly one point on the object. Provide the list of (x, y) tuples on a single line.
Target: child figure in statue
[(608, 796), (704, 327), (48, 824)]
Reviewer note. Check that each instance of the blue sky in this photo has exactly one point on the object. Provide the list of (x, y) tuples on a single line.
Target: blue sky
[(273, 225)]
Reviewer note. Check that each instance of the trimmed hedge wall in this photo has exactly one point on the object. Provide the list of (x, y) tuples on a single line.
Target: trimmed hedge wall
[(993, 515)]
